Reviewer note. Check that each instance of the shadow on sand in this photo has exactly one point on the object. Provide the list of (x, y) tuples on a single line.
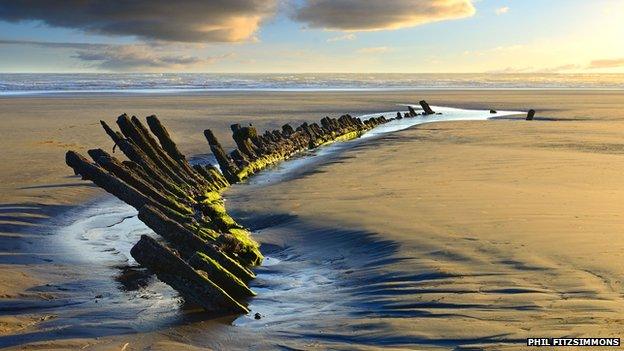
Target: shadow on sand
[(328, 278)]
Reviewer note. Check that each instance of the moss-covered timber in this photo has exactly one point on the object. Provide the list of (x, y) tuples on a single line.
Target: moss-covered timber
[(221, 276), (178, 202), (256, 151), (205, 254), (188, 243), (193, 284)]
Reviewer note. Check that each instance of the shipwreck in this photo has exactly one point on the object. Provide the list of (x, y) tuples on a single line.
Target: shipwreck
[(199, 250)]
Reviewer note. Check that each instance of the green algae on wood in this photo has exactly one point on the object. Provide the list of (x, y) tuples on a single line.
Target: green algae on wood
[(221, 276), (192, 284), (206, 255), (179, 203)]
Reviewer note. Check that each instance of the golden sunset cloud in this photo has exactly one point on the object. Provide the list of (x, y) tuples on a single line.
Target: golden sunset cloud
[(372, 15)]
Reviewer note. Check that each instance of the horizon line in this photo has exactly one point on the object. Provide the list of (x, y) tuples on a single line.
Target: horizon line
[(312, 72)]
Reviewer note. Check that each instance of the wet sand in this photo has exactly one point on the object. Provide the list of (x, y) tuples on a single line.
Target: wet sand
[(36, 186), (443, 235), (480, 234), (38, 130)]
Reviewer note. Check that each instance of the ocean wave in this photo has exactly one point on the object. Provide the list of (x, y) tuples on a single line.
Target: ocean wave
[(28, 83)]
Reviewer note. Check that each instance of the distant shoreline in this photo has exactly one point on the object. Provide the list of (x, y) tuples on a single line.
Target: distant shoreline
[(191, 83), (191, 92)]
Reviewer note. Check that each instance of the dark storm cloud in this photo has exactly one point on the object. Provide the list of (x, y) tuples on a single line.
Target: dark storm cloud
[(167, 20), (367, 15)]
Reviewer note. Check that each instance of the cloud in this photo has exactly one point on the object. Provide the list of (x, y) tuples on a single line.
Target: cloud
[(512, 70), (374, 50), (342, 38), (48, 44), (371, 15), (140, 57), (561, 68), (177, 21), (208, 21), (553, 69), (133, 57), (499, 50), (502, 10), (611, 63)]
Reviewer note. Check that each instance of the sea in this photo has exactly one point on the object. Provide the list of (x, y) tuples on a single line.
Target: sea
[(146, 83)]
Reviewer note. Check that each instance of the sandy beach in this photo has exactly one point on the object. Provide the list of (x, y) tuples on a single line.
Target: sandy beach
[(472, 234)]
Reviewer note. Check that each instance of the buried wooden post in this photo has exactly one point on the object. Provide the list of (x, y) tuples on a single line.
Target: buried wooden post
[(530, 115), (164, 138), (213, 176), (135, 154), (225, 162), (107, 181), (125, 174), (222, 277), (426, 108), (192, 284), (133, 130), (189, 243)]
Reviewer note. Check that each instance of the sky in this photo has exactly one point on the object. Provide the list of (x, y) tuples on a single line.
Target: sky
[(267, 36)]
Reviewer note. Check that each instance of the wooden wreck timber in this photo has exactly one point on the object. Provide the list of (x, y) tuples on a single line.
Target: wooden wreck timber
[(191, 283), (425, 106), (204, 254), (256, 151)]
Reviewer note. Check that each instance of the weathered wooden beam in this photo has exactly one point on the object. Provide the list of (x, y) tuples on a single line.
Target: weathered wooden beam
[(228, 168), (170, 147), (189, 242), (221, 276), (195, 286), (140, 172), (287, 130), (242, 137), (213, 176), (135, 154), (131, 132), (112, 165), (107, 181), (183, 169), (426, 108)]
